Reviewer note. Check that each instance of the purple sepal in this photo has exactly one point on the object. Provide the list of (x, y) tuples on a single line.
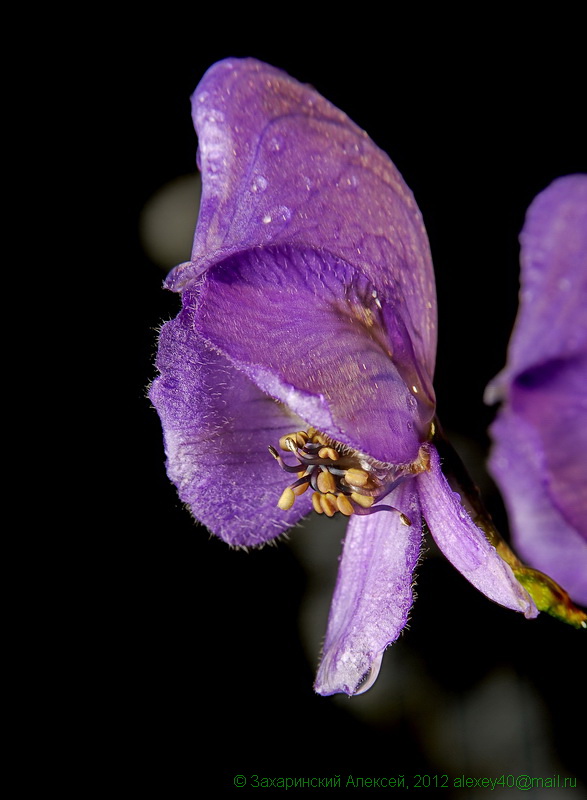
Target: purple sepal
[(307, 329), (540, 438), (282, 165), (217, 427), (465, 545), (543, 537), (373, 595)]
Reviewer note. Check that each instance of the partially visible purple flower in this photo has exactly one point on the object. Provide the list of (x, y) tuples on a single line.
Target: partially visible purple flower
[(539, 456), (309, 307)]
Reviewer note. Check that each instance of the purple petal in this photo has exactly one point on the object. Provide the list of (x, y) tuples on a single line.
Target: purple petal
[(217, 427), (281, 165), (552, 319), (544, 538), (373, 595), (552, 401), (307, 330), (544, 386), (465, 545)]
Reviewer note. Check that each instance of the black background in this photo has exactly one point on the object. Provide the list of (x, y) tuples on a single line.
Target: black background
[(197, 666)]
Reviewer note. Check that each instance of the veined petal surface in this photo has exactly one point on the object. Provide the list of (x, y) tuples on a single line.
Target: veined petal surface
[(217, 427), (308, 330), (373, 594), (465, 545), (282, 165)]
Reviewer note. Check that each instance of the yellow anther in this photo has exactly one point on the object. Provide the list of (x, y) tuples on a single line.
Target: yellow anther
[(286, 500), (326, 482), (363, 500), (328, 503), (316, 502), (356, 477), (298, 490), (283, 442), (328, 452), (344, 505), (405, 520), (422, 463), (311, 431), (317, 438), (292, 440)]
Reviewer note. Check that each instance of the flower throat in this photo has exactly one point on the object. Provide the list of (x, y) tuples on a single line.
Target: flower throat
[(342, 480)]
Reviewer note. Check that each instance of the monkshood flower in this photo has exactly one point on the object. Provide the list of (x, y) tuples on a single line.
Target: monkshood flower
[(298, 376), (540, 437)]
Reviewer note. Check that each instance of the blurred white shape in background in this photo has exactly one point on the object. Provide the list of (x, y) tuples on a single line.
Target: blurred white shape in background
[(168, 221)]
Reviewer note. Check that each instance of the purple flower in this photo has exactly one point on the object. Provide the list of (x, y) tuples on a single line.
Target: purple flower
[(540, 437), (309, 321)]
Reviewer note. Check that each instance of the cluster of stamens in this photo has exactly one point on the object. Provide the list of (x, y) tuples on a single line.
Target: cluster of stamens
[(340, 479)]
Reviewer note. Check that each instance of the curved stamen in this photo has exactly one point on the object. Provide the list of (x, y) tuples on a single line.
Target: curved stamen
[(281, 462), (342, 480), (363, 512)]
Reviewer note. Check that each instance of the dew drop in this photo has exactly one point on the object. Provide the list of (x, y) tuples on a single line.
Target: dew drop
[(259, 184), (215, 116), (267, 219), (370, 677), (276, 144)]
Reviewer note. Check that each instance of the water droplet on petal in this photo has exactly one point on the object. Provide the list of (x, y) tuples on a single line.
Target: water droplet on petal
[(370, 677), (215, 116), (267, 219), (276, 144), (259, 183)]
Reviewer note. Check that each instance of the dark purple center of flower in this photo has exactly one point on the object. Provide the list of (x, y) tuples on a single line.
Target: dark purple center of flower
[(341, 479)]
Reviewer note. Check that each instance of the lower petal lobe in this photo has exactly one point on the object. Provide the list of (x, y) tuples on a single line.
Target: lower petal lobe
[(541, 534), (552, 399), (312, 331), (373, 594), (217, 427), (465, 545)]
